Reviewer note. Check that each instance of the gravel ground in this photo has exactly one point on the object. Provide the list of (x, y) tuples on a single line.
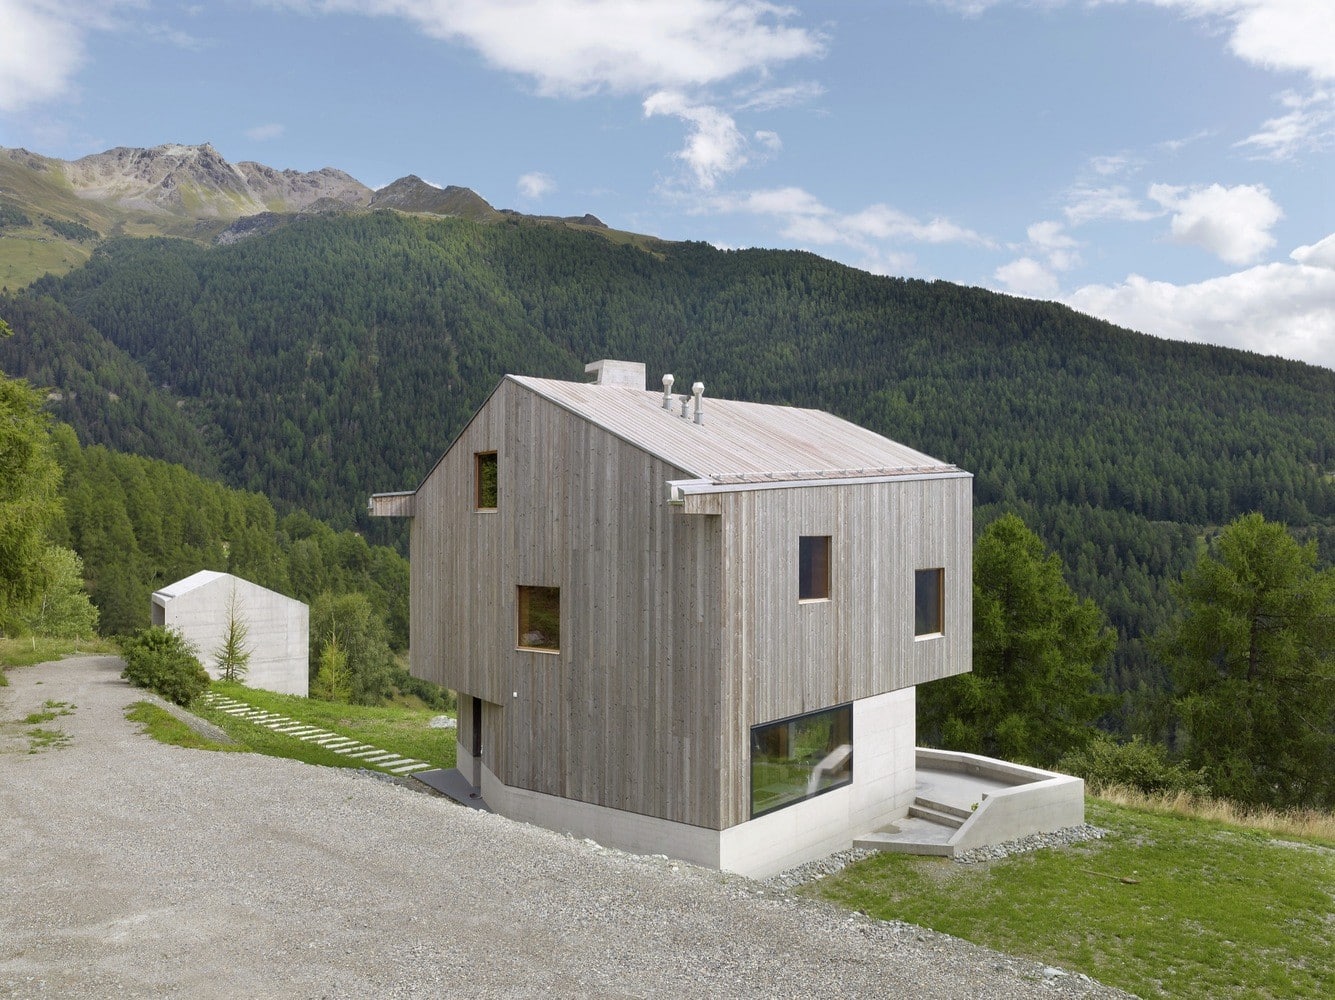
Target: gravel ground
[(129, 868)]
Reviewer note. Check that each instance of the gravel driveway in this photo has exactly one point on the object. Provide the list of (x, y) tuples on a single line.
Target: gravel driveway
[(129, 868)]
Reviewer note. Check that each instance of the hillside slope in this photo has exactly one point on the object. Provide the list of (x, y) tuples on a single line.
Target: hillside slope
[(338, 356)]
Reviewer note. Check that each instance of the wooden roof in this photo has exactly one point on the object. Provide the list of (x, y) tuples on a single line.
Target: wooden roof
[(738, 443)]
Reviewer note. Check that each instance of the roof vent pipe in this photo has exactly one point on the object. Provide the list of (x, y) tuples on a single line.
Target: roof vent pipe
[(698, 390), (667, 391), (685, 405)]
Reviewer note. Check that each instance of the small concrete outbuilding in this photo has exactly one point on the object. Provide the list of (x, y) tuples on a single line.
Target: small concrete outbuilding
[(278, 627)]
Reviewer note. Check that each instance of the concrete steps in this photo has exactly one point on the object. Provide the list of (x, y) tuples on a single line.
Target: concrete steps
[(926, 829)]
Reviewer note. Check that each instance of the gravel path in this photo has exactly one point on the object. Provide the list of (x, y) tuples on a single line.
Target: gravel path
[(129, 868)]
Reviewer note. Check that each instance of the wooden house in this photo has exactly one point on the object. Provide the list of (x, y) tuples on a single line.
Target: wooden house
[(687, 626)]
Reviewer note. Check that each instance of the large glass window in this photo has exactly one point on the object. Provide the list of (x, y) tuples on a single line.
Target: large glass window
[(928, 609), (813, 567), (794, 759), (540, 618), (487, 483)]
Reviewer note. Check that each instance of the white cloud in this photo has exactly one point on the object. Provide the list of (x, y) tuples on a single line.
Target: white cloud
[(580, 47), (261, 133), (770, 140), (43, 48), (535, 185), (1278, 308), (1233, 223), (1089, 203), (1307, 125), (769, 98), (714, 145), (1319, 254), (1028, 277), (1048, 238), (1277, 34), (873, 231)]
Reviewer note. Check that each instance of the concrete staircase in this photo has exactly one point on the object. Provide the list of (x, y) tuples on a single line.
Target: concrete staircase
[(926, 829)]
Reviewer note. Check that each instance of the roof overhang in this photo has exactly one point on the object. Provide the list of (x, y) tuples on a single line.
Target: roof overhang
[(401, 504), (692, 494)]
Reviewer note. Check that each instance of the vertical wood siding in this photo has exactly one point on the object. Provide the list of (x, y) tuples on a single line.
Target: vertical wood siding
[(679, 631), (627, 714), (786, 658)]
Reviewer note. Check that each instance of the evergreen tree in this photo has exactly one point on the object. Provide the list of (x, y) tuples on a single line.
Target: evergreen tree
[(1036, 648), (333, 682), (1252, 649), (233, 657)]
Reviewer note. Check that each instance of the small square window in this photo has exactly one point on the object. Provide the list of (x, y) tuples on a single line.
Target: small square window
[(540, 618), (813, 567), (928, 609), (488, 487)]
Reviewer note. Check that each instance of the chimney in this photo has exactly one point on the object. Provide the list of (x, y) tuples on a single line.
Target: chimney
[(608, 372), (698, 391), (667, 391)]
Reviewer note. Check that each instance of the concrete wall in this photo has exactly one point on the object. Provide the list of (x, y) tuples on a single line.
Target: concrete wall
[(882, 788), (278, 636)]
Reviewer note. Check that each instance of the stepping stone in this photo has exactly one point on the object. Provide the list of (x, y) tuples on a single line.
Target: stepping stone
[(414, 765)]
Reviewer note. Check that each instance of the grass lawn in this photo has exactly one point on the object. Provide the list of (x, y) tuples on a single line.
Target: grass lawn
[(27, 651), (1207, 909), (404, 731)]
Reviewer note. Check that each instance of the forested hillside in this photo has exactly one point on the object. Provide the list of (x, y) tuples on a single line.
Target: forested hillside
[(338, 356), (140, 524)]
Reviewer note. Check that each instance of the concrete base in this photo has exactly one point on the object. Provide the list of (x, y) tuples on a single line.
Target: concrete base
[(881, 791), (964, 801)]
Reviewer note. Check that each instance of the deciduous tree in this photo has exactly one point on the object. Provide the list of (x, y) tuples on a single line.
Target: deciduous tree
[(29, 502)]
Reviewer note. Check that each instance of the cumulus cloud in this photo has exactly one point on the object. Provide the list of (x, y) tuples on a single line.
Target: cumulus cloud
[(1320, 254), (535, 185), (1277, 34), (261, 133), (1028, 277), (1283, 309), (1233, 223), (43, 48), (714, 145), (579, 47)]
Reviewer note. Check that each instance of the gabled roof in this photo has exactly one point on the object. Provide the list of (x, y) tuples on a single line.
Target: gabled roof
[(192, 582), (738, 443)]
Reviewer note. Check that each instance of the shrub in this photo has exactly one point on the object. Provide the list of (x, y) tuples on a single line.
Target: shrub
[(1104, 762), (163, 661)]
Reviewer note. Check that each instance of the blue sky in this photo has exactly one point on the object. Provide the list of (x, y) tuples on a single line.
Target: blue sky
[(1165, 164)]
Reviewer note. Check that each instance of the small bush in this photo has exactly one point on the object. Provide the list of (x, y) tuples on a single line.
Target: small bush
[(1105, 763), (163, 661)]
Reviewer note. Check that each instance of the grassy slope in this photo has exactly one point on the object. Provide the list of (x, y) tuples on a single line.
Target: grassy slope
[(1214, 910), (399, 730)]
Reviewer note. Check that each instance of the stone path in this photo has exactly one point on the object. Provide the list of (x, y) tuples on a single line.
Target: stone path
[(364, 753)]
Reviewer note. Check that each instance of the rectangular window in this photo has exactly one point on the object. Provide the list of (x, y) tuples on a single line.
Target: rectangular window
[(540, 618), (794, 759), (928, 609), (486, 481), (813, 567)]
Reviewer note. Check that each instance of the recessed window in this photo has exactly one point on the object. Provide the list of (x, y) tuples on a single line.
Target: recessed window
[(485, 478), (813, 567), (540, 618), (796, 758), (928, 607)]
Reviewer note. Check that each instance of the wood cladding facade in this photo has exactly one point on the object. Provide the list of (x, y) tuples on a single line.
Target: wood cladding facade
[(679, 630)]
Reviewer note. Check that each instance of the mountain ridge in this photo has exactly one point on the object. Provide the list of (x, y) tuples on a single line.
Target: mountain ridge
[(54, 212)]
